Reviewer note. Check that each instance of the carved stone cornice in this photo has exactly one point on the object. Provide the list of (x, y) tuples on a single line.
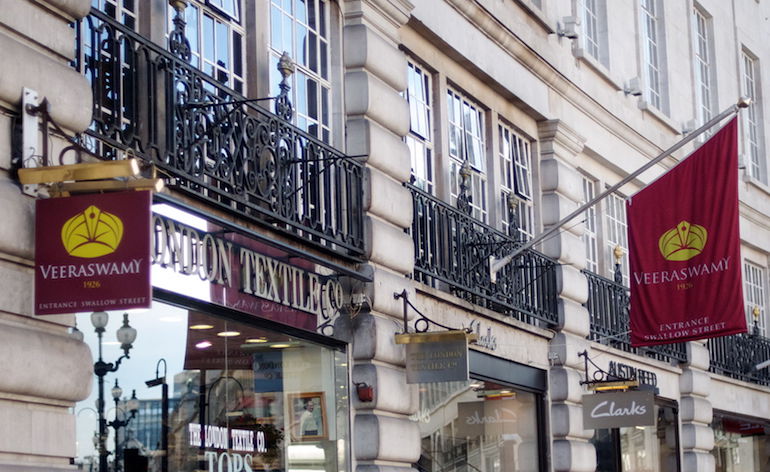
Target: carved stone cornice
[(387, 15)]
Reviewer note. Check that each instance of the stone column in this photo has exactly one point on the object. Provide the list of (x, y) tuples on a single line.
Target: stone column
[(377, 118), (562, 191), (696, 411), (44, 369)]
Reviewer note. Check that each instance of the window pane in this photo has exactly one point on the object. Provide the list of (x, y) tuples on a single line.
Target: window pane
[(302, 45), (312, 46), (276, 29), (208, 38), (300, 10), (237, 57), (223, 58), (323, 58)]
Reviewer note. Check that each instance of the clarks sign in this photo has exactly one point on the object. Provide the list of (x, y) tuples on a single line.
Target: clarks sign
[(92, 252), (617, 410)]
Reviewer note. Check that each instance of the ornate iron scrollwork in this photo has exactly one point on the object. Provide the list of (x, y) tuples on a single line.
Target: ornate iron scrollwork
[(179, 45), (214, 144), (464, 197), (453, 248), (421, 324), (599, 375)]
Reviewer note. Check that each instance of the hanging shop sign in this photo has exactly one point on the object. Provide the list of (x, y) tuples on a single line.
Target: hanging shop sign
[(618, 409), (623, 371), (92, 253), (435, 356), (245, 274)]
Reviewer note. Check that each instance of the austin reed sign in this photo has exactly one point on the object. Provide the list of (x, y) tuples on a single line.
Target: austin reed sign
[(92, 252), (684, 249)]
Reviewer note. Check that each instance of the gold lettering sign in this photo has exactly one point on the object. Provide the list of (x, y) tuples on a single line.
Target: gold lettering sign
[(92, 233), (683, 242)]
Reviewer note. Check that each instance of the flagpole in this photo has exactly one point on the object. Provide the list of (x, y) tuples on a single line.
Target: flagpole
[(495, 264)]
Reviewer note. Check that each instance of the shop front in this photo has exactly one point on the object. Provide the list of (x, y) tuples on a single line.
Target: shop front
[(240, 363), (741, 443), (493, 422), (641, 447), (633, 416)]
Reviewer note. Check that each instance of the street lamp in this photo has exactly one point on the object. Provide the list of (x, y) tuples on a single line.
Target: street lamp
[(126, 335), (158, 380), (133, 407)]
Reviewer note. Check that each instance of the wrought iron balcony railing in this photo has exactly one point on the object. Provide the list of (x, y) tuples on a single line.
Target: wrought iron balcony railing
[(737, 357), (608, 308), (452, 251), (213, 144)]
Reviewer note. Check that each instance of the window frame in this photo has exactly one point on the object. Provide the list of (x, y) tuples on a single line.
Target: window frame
[(471, 115), (196, 13), (590, 227), (312, 111), (515, 156), (755, 294), (616, 234), (752, 135), (704, 71), (420, 139), (653, 45), (594, 34)]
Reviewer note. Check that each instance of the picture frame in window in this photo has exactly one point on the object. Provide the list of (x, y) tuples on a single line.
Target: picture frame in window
[(307, 416)]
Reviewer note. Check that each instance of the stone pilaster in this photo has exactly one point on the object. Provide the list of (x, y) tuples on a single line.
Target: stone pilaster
[(696, 411), (45, 370), (377, 118), (562, 191)]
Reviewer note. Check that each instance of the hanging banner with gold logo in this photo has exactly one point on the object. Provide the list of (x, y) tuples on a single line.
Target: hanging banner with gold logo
[(684, 249), (92, 253)]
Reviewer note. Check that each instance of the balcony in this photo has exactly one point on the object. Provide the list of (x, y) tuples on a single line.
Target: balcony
[(737, 356), (607, 306), (452, 252), (214, 145), (732, 356)]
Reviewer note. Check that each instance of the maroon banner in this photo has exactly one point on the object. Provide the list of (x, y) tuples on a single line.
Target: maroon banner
[(684, 249), (92, 253)]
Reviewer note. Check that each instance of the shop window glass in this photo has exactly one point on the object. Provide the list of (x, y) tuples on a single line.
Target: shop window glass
[(477, 426), (741, 445), (240, 397)]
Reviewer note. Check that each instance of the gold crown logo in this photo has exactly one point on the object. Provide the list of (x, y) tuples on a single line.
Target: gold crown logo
[(92, 233), (683, 242)]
